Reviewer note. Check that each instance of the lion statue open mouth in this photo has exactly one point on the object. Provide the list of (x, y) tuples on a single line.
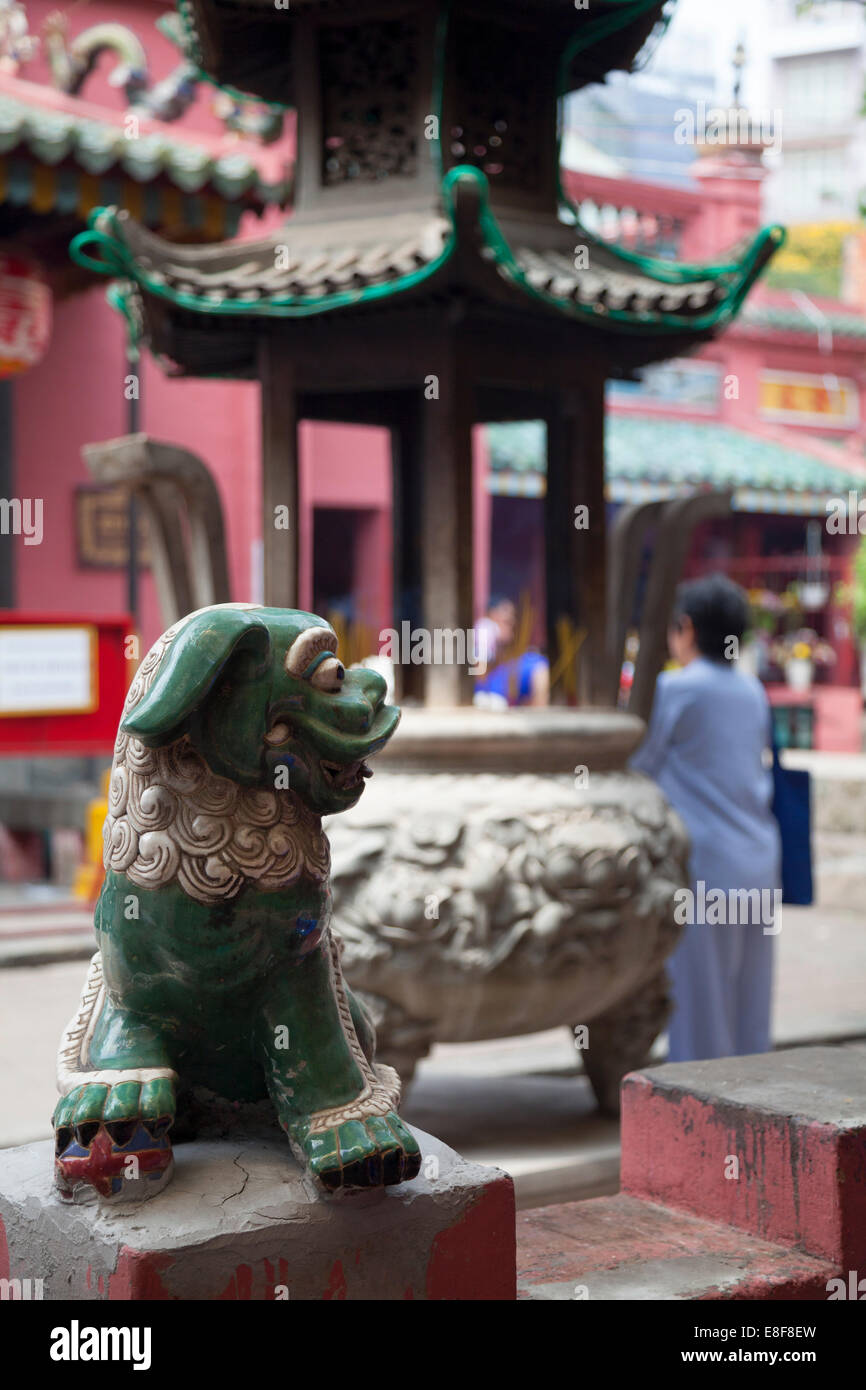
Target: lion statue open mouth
[(216, 964)]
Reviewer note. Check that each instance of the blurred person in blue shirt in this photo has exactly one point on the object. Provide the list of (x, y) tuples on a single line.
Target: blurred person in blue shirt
[(705, 747), (524, 680)]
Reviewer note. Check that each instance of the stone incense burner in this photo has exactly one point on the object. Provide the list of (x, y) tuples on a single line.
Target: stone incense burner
[(505, 874)]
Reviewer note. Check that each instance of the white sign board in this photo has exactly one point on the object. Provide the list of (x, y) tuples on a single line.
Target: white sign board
[(47, 670)]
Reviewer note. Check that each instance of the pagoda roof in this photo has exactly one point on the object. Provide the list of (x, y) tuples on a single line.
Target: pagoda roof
[(61, 157), (248, 44), (309, 268)]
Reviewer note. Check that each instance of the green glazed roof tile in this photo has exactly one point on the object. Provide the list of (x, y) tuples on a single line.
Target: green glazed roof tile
[(676, 453), (98, 147), (793, 320)]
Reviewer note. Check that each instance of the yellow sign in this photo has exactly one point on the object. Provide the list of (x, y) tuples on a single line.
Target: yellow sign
[(805, 398)]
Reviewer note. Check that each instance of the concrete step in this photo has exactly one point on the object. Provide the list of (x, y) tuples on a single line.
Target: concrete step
[(47, 950), (37, 931), (622, 1248), (742, 1178), (773, 1145)]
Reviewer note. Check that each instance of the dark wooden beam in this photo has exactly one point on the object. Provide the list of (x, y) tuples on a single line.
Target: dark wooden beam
[(592, 569), (407, 510), (499, 403), (446, 538), (382, 348), (279, 473), (561, 546), (373, 406), (575, 545)]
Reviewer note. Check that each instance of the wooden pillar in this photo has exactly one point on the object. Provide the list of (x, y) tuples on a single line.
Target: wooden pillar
[(561, 550), (447, 601), (279, 423), (575, 546), (407, 510), (592, 570)]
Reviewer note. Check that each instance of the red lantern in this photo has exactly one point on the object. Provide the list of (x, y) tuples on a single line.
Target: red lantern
[(25, 314)]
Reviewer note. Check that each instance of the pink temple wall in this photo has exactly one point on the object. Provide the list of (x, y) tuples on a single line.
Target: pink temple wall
[(76, 396), (349, 467)]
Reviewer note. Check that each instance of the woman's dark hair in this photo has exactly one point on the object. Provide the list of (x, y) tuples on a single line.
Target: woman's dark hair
[(718, 609)]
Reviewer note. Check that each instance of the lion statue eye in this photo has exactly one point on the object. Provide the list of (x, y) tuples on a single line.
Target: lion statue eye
[(329, 675), (310, 649)]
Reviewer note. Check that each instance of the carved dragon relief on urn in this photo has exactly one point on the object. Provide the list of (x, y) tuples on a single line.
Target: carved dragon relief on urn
[(217, 967)]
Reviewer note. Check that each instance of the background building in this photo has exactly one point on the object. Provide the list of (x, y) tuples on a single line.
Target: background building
[(816, 75)]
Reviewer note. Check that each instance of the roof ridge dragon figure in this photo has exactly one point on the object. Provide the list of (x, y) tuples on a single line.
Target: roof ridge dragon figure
[(73, 61)]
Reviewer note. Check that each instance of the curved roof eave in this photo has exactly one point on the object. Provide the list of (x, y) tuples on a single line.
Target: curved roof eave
[(618, 293)]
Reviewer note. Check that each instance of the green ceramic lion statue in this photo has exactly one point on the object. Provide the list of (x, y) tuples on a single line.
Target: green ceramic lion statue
[(217, 967)]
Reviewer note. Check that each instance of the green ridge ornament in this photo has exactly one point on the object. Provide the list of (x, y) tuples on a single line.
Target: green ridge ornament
[(217, 966)]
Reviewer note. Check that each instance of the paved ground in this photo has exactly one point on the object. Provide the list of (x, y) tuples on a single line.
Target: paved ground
[(519, 1102)]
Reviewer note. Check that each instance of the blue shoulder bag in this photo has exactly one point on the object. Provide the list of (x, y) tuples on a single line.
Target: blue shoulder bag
[(792, 805)]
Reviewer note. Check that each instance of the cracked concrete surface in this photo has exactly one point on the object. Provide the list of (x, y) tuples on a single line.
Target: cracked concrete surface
[(204, 1231)]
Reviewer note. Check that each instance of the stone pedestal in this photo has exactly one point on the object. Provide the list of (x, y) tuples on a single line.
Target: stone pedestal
[(240, 1221), (504, 873)]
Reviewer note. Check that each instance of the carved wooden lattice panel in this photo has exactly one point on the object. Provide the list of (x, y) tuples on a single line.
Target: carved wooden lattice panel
[(368, 73), (495, 118)]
